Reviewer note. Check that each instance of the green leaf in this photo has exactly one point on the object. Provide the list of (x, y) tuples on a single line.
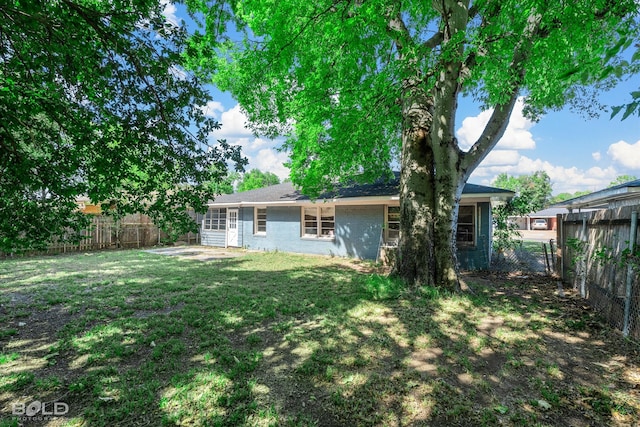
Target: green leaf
[(615, 110), (630, 109)]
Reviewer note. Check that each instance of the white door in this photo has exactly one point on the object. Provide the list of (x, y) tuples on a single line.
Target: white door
[(232, 227)]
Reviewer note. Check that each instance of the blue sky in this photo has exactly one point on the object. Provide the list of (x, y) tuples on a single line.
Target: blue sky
[(577, 152)]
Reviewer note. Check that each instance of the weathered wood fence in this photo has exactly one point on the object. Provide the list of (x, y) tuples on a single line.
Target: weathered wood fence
[(598, 255), (132, 231)]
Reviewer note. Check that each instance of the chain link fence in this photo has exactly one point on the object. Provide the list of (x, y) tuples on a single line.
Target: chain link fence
[(526, 257)]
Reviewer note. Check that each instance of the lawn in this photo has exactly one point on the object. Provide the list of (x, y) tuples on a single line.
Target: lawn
[(132, 338)]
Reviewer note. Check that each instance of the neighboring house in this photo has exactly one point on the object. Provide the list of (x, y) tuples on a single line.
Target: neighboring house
[(85, 205), (354, 222), (627, 194)]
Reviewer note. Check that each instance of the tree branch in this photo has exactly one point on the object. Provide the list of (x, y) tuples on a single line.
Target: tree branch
[(499, 120)]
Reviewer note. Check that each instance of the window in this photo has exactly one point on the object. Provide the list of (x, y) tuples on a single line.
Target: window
[(260, 221), (215, 219), (392, 226), (318, 222), (465, 235)]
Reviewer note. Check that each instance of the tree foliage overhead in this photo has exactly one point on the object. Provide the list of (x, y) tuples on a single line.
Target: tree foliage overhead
[(357, 84), (632, 107), (95, 101)]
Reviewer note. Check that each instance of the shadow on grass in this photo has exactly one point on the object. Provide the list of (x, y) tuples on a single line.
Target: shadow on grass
[(273, 339)]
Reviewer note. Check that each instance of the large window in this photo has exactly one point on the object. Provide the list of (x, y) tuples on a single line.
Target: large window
[(465, 235), (392, 225), (260, 221), (318, 222), (215, 219)]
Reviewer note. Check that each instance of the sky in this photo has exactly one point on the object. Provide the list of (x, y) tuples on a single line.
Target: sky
[(577, 152)]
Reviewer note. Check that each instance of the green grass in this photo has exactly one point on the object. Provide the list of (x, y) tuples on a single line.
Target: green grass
[(133, 338)]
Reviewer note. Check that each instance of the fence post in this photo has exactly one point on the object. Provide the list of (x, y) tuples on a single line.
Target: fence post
[(560, 246), (583, 261), (629, 293)]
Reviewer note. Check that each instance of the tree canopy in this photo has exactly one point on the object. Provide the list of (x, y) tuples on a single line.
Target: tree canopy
[(621, 179), (355, 86), (255, 178), (533, 192), (95, 101), (560, 197)]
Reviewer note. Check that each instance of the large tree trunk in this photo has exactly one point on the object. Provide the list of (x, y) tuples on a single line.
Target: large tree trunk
[(434, 169), (430, 189)]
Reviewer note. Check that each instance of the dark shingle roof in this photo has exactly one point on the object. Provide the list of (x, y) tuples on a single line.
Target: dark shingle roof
[(287, 193)]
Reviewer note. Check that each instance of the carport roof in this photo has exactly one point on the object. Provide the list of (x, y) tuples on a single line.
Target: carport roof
[(629, 192)]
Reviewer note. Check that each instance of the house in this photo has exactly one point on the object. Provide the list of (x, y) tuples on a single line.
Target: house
[(627, 194), (87, 207), (355, 221)]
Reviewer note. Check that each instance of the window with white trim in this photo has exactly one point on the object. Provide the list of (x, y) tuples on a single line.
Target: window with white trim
[(392, 224), (260, 221), (466, 232), (215, 219), (318, 221)]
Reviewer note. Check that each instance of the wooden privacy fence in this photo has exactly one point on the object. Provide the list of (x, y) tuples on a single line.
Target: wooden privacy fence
[(132, 231), (598, 254)]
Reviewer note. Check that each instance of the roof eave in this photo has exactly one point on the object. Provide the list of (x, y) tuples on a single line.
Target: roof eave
[(600, 199), (366, 200)]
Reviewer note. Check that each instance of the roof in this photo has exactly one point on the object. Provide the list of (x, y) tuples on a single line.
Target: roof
[(548, 212), (286, 193), (621, 194)]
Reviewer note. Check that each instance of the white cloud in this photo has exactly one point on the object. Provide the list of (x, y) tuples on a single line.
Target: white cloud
[(563, 179), (625, 154), (596, 156), (269, 160), (501, 158), (169, 12), (252, 144), (212, 109), (233, 124), (261, 153), (516, 136)]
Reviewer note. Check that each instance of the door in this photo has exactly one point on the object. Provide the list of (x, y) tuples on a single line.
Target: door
[(232, 227)]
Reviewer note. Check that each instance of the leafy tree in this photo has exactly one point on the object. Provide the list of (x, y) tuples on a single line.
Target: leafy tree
[(356, 84), (621, 179), (505, 232), (566, 196), (255, 178), (95, 101), (533, 192), (225, 185)]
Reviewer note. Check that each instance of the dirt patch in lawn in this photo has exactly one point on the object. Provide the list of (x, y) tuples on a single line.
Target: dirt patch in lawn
[(199, 253)]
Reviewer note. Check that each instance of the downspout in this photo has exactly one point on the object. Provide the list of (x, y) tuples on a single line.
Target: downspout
[(627, 301)]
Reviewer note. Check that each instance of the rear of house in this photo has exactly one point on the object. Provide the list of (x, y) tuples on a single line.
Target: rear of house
[(354, 222)]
